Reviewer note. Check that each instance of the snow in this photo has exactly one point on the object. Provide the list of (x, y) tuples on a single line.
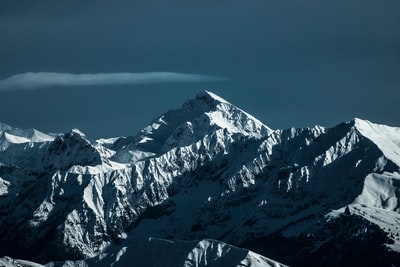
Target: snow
[(251, 123), (161, 252), (107, 141), (4, 186), (381, 191), (385, 137), (89, 196), (120, 253), (387, 220), (15, 139), (10, 136), (9, 262), (212, 95), (17, 136), (196, 118), (38, 136), (207, 169)]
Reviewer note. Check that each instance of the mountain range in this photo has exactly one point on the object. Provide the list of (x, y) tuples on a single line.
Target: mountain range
[(203, 185)]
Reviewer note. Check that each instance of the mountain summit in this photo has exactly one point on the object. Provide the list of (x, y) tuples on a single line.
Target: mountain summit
[(205, 114), (209, 172), (196, 118)]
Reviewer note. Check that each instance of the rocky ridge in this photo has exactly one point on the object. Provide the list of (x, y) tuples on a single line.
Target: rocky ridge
[(206, 170)]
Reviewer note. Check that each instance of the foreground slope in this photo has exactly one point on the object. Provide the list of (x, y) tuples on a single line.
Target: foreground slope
[(208, 170), (160, 252)]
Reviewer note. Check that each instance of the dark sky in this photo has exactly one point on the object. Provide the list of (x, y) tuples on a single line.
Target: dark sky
[(289, 63)]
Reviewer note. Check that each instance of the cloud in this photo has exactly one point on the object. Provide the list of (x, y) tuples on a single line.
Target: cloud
[(35, 80)]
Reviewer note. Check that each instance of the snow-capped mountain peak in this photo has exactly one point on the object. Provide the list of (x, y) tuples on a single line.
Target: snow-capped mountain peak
[(205, 170), (210, 97), (31, 135), (78, 132), (229, 116), (198, 117), (72, 149), (385, 137), (10, 135)]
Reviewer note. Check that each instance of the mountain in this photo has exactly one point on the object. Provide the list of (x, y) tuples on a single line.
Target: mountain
[(161, 252), (207, 171)]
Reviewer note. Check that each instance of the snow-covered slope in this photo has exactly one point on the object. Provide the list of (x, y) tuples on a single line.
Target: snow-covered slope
[(14, 144), (206, 170), (9, 262), (161, 252), (10, 136), (385, 137)]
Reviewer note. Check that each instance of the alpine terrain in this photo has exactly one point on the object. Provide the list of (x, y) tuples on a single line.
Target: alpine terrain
[(203, 185)]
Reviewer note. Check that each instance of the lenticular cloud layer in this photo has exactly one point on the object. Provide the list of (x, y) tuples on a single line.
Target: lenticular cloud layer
[(34, 80)]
